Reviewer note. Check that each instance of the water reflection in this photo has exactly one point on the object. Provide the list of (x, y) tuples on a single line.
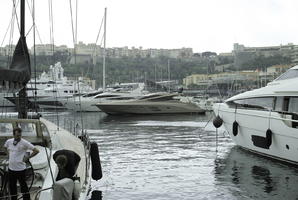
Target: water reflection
[(250, 176), (263, 175), (166, 157), (161, 117)]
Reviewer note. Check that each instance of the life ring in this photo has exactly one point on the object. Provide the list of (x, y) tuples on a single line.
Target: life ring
[(217, 122), (235, 128), (95, 161)]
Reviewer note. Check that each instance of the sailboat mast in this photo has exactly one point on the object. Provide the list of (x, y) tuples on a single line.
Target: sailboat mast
[(22, 31), (104, 52), (22, 101)]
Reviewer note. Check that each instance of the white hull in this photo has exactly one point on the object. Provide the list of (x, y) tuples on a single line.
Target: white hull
[(149, 107), (85, 105), (61, 140), (256, 122)]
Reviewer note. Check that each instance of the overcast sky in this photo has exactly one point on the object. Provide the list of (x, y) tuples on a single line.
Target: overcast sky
[(204, 25)]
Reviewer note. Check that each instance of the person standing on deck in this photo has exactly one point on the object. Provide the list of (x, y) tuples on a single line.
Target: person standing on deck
[(16, 148)]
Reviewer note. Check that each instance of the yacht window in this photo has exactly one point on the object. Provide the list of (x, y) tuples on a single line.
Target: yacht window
[(92, 94), (162, 98), (28, 129), (105, 96), (286, 104), (65, 91), (292, 73), (293, 105), (279, 104), (121, 98), (6, 129), (150, 96), (70, 91), (76, 91), (257, 103)]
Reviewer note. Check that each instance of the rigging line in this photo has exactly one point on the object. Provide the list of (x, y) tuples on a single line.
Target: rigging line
[(15, 13), (98, 34), (73, 34), (34, 56), (94, 48), (76, 22), (80, 103), (34, 24), (102, 40), (9, 25), (29, 30), (52, 25), (55, 87), (11, 34)]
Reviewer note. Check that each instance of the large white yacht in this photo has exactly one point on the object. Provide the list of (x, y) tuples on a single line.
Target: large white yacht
[(154, 103), (49, 88), (86, 103), (264, 120)]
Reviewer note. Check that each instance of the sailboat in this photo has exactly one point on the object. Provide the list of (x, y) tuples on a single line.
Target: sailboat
[(49, 138)]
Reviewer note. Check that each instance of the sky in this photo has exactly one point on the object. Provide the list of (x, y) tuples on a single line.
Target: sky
[(203, 25)]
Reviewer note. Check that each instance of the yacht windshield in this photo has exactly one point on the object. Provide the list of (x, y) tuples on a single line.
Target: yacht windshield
[(292, 73)]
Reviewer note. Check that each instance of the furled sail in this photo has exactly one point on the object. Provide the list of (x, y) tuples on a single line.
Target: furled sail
[(19, 72)]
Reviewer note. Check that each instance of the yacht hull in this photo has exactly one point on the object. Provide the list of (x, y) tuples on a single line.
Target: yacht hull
[(83, 105), (254, 124), (148, 108)]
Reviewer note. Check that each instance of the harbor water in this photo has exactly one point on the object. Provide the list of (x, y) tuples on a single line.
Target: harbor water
[(168, 157)]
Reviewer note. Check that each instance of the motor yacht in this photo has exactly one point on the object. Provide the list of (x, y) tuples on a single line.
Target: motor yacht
[(86, 103), (264, 120), (49, 88), (153, 103)]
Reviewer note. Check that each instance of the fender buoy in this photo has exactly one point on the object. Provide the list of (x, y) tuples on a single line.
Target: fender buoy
[(217, 122), (235, 128), (95, 161), (268, 137)]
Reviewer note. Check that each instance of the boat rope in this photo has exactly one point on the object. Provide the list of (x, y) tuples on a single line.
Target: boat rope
[(216, 140), (52, 42), (82, 121), (10, 46), (235, 112), (269, 119), (9, 26), (94, 47), (34, 55), (49, 163), (73, 32), (51, 22)]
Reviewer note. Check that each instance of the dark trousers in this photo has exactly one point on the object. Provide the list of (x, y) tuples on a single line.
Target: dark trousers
[(13, 177)]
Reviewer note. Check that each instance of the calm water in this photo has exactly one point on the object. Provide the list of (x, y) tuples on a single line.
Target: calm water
[(175, 157)]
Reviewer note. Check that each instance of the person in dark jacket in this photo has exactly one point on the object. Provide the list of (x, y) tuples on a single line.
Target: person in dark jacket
[(67, 162)]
